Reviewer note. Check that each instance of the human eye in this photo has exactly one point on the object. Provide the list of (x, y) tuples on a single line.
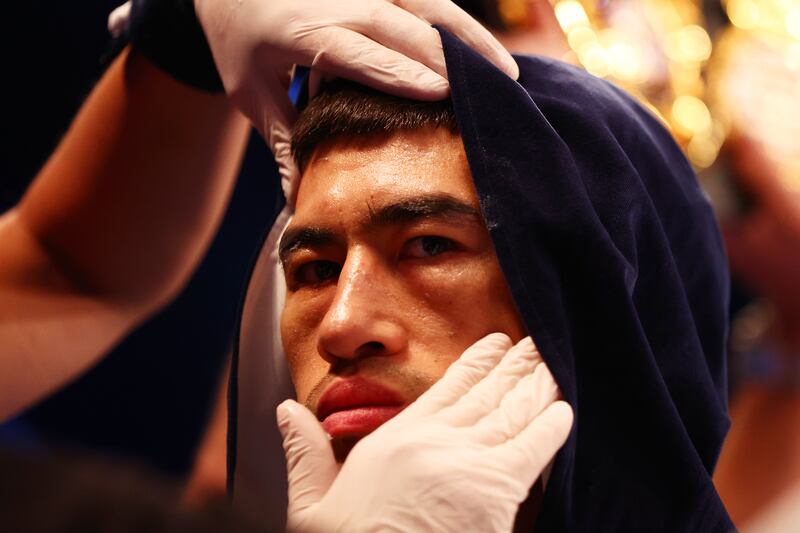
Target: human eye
[(427, 246), (316, 272)]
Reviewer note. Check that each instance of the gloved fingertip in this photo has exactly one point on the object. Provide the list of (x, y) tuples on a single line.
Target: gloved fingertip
[(285, 413), (492, 341), (492, 345), (526, 343), (432, 86), (498, 337), (555, 423), (502, 59), (510, 67), (525, 353), (564, 412), (287, 408)]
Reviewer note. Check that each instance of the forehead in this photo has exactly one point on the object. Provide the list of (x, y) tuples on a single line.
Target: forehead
[(348, 177)]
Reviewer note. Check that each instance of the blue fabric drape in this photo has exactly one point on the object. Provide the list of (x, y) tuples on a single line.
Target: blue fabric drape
[(615, 261)]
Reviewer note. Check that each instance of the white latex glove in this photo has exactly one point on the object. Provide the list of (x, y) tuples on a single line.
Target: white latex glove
[(387, 44), (460, 458)]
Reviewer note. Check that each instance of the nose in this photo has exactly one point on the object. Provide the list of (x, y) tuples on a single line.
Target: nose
[(363, 319)]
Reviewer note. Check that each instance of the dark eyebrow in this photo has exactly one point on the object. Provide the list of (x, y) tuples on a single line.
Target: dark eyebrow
[(303, 237), (438, 206)]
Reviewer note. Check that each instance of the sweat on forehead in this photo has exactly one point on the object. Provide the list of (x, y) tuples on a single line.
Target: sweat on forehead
[(345, 109)]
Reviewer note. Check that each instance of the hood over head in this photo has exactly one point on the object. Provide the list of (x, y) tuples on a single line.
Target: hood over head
[(614, 260)]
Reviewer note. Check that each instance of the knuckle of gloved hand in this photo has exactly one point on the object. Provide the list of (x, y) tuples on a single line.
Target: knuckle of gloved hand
[(325, 61), (286, 15), (380, 15), (508, 380), (513, 417), (528, 353), (487, 403), (470, 363), (339, 44), (518, 364), (478, 365), (307, 38)]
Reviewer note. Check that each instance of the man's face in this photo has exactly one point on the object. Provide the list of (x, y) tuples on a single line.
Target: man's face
[(391, 275)]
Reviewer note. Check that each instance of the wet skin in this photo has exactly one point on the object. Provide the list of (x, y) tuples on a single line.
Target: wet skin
[(391, 275)]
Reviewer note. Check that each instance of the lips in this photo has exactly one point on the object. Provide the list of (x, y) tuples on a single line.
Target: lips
[(355, 407)]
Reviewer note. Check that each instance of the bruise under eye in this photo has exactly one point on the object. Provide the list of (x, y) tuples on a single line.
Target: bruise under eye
[(316, 272)]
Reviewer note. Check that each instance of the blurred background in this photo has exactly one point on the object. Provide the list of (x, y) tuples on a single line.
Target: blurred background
[(723, 76)]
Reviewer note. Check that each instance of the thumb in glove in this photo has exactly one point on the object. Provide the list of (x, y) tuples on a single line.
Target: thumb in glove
[(311, 467)]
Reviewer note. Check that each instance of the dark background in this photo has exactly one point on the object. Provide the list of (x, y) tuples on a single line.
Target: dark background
[(150, 398)]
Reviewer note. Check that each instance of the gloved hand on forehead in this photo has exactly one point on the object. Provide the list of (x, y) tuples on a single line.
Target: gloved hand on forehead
[(389, 45), (462, 457)]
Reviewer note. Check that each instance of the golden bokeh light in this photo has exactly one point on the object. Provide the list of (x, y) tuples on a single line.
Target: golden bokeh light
[(691, 114), (793, 22), (570, 13), (580, 36), (689, 43), (660, 51), (744, 13), (595, 59)]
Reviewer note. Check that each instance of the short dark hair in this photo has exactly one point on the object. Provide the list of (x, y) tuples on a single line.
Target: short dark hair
[(346, 109)]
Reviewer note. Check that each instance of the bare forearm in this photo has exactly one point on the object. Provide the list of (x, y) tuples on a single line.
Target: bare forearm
[(112, 226), (131, 198)]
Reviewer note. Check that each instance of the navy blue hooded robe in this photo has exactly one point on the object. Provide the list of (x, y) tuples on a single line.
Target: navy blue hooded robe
[(614, 260)]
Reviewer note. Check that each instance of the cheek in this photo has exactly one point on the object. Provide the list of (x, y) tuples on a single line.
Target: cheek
[(299, 322), (458, 304), (470, 296)]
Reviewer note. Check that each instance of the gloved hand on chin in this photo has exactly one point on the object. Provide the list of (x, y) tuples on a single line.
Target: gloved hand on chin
[(462, 457)]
